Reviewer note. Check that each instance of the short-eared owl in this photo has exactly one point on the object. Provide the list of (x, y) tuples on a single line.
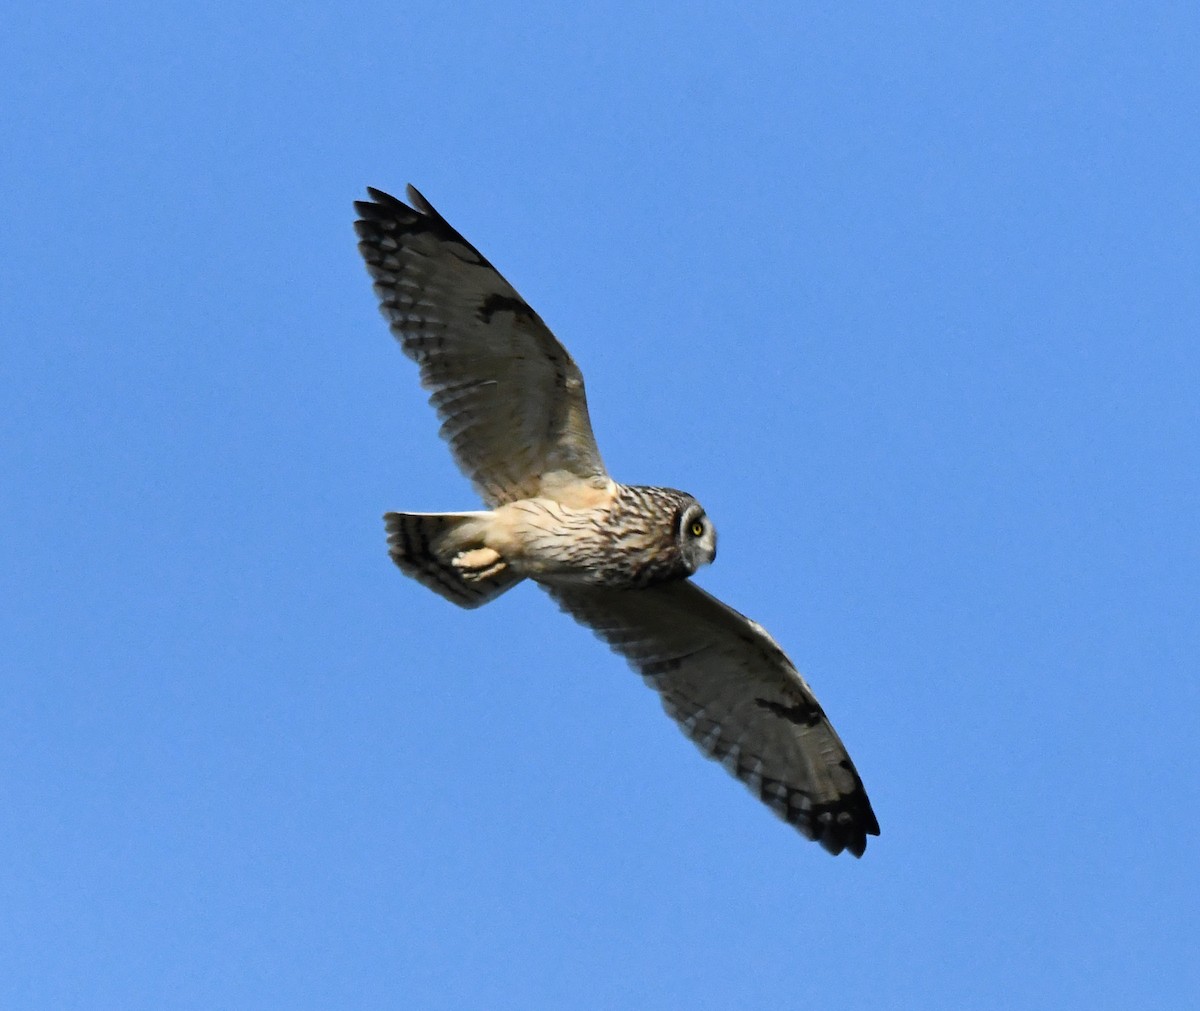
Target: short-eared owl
[(617, 558)]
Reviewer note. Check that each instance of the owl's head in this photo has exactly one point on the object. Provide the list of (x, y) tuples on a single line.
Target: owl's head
[(695, 536)]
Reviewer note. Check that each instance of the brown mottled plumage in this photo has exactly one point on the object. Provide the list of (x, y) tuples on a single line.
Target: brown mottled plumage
[(616, 557)]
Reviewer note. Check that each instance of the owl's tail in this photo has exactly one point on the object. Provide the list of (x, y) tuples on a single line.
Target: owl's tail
[(444, 551)]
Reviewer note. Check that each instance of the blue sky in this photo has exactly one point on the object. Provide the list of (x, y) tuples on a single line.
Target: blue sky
[(909, 300)]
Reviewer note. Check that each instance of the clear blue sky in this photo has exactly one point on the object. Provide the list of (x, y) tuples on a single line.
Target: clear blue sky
[(909, 299)]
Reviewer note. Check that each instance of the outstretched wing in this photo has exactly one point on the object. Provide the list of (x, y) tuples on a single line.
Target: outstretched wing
[(510, 398), (737, 696)]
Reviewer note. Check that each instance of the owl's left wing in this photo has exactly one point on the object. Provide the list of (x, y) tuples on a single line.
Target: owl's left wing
[(735, 693), (510, 397)]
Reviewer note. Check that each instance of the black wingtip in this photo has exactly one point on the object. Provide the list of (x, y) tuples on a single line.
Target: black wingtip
[(419, 202), (845, 839), (381, 204), (420, 216), (383, 197), (842, 826)]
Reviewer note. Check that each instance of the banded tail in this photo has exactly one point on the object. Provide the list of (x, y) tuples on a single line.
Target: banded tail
[(445, 553)]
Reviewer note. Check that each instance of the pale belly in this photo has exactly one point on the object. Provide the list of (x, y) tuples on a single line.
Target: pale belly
[(553, 543)]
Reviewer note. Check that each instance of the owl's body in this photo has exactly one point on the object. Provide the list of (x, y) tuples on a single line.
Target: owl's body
[(629, 538), (616, 557)]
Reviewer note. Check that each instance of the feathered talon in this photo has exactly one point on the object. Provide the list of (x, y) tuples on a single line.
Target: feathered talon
[(479, 563)]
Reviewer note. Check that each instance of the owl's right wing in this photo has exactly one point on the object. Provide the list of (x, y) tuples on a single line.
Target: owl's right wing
[(510, 398), (735, 693)]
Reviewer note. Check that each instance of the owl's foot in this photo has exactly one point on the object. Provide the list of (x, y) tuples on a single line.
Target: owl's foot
[(479, 564)]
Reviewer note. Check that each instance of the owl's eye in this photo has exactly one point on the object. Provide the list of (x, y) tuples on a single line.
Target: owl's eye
[(697, 528)]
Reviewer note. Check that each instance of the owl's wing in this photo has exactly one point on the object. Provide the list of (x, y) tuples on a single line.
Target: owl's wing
[(735, 693), (510, 398)]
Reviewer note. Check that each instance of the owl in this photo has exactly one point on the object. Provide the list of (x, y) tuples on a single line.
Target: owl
[(618, 558)]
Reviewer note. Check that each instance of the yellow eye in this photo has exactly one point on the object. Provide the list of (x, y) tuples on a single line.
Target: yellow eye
[(697, 528)]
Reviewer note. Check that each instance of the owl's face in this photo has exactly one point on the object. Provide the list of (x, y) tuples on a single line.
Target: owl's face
[(696, 537)]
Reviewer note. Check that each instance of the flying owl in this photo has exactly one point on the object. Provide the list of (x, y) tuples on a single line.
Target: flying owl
[(617, 558)]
